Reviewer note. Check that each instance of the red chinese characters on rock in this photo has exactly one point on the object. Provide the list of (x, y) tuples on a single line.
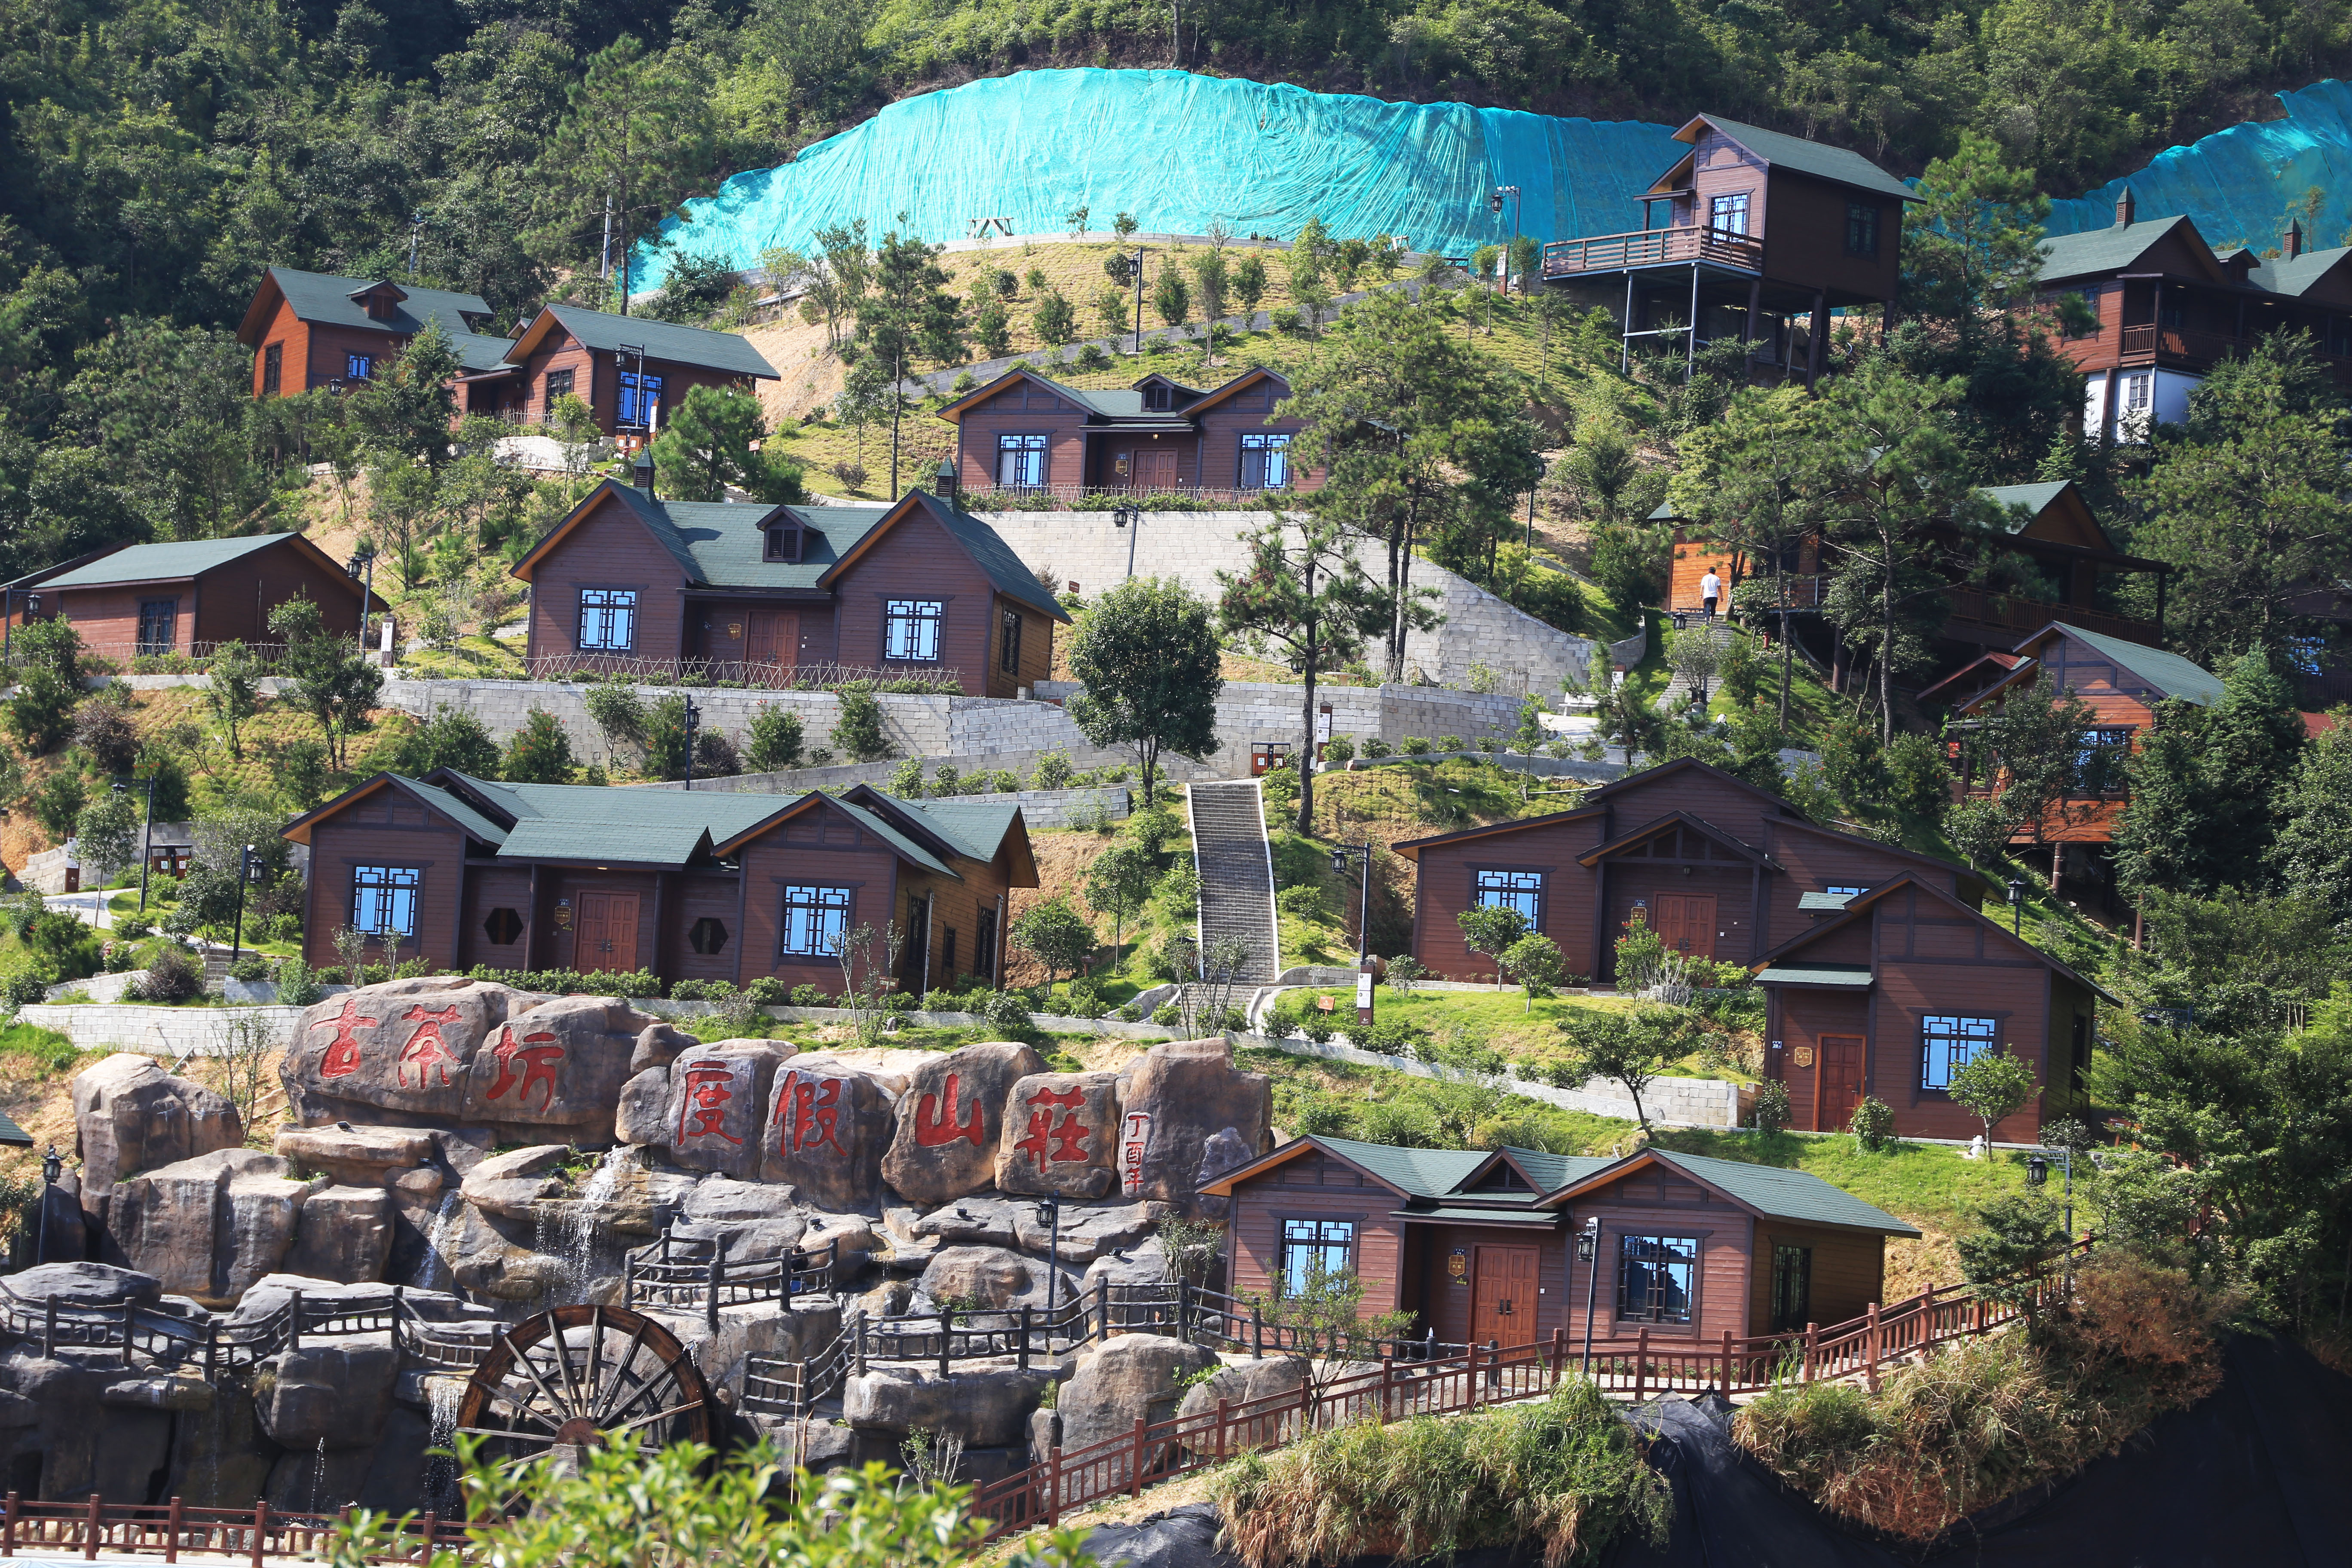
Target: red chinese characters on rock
[(935, 1125), (537, 1066), (808, 1110), (426, 1051), (342, 1057), (710, 1085), (1135, 1137), (1050, 1140)]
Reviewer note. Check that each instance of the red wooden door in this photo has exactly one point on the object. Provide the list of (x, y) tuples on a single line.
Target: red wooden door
[(771, 636), (1837, 1082), (1155, 468), (1685, 922), (1503, 1295), (607, 932)]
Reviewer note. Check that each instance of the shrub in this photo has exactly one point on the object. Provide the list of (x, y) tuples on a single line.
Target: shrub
[(1167, 1016), (767, 991), (298, 984), (715, 756), (1873, 1124), (1449, 743), (702, 990), (1375, 747), (250, 968), (540, 751), (1007, 1013), (1153, 826), (23, 987), (172, 976), (857, 730), (811, 996), (774, 741), (1416, 746), (1304, 903), (1338, 751), (1317, 1027), (1771, 1105)]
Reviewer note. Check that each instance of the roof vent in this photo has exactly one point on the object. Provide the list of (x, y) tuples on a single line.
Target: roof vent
[(2293, 240), (643, 471), (2124, 208)]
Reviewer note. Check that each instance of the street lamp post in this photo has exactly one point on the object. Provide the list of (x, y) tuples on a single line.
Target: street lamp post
[(693, 717), (361, 565), (1049, 1215), (2016, 907), (146, 836), (1139, 299), (246, 872), (1128, 516), (2037, 1174), (1494, 206), (1361, 855), (1587, 1252), (53, 1165)]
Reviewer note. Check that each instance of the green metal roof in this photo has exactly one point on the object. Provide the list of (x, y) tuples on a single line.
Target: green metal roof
[(2033, 498), (322, 298), (456, 809), (993, 555), (723, 545), (162, 562), (1784, 1193), (13, 1136), (875, 822), (479, 351), (725, 352), (2109, 249), (2292, 277), (1818, 901), (1551, 1173), (1422, 1173), (552, 839), (1856, 976), (1815, 158), (586, 822), (978, 830), (2167, 672), (1520, 1217)]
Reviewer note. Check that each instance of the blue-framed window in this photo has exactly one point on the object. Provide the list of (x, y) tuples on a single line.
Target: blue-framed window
[(1728, 215), (640, 398), (358, 367), (1021, 461), (1948, 1042), (815, 916), (608, 619), (384, 900), (910, 628), (1655, 1278), (1520, 891), (1306, 1243), (1265, 461)]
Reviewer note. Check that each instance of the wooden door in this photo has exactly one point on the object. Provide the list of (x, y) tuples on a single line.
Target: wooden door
[(1685, 922), (1837, 1081), (771, 636), (1503, 1295), (607, 927), (1155, 468)]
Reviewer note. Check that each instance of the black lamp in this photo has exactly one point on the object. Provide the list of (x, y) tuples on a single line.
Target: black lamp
[(53, 1165), (2016, 907), (2037, 1171)]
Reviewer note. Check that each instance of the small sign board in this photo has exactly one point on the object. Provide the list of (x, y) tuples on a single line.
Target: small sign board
[(1804, 1056), (1364, 997)]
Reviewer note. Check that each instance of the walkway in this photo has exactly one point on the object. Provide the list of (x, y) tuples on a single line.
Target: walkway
[(1237, 875)]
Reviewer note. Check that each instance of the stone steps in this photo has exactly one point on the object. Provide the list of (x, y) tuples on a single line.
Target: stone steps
[(1236, 877)]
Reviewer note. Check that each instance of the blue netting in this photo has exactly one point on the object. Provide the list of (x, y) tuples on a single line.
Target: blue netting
[(1179, 149), (2237, 184)]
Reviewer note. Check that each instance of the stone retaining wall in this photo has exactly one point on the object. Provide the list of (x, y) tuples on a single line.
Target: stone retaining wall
[(173, 1032), (1040, 809)]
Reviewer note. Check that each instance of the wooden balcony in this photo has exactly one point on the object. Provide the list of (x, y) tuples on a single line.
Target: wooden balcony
[(2000, 619), (1653, 248), (1805, 593)]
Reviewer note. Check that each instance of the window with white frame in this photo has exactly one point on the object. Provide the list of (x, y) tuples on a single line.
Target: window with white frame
[(815, 916), (1266, 461), (910, 628), (1948, 1042), (608, 619), (2138, 390), (1728, 215), (1021, 462), (384, 900), (1655, 1276), (1520, 891), (1308, 1245)]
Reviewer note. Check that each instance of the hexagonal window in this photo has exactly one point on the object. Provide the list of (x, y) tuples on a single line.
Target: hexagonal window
[(708, 935), (502, 927)]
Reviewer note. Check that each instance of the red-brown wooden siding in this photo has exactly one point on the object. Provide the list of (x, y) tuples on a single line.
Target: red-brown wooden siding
[(1655, 1202), (919, 559), (387, 828), (1313, 1185), (1023, 408), (608, 548), (1848, 1274), (233, 600)]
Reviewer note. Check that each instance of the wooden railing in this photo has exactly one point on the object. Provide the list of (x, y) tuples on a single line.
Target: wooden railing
[(735, 671), (138, 1335), (989, 497), (1653, 248), (171, 1531), (669, 1274)]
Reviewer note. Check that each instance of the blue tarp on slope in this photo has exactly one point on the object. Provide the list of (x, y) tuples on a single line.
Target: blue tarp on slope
[(1179, 149)]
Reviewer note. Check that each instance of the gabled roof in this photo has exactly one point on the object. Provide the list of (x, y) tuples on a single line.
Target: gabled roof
[(459, 811), (324, 300), (1120, 404), (1990, 666), (1892, 851), (729, 353), (2297, 276), (1776, 968), (1651, 829), (1409, 1173), (1410, 848), (1770, 1192), (1241, 383), (982, 543), (723, 545), (181, 560), (2119, 248), (1817, 159), (2168, 673)]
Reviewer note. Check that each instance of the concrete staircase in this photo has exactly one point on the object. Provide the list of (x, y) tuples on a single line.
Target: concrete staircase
[(1236, 873), (1678, 690)]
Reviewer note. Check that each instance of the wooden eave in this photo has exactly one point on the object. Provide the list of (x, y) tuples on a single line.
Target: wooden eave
[(1410, 848), (298, 830), (564, 525), (1674, 819), (1912, 881), (1641, 1160), (954, 412), (1223, 1186), (266, 300), (1211, 399)]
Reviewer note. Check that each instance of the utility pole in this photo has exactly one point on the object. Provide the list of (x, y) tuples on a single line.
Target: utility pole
[(415, 227), (1138, 299), (897, 402), (605, 257)]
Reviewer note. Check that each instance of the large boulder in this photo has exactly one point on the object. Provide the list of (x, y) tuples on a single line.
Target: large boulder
[(344, 1235), (1244, 1383), (642, 1117), (1086, 1231), (717, 1099), (973, 1221), (1174, 1099), (1135, 1375), (403, 1045), (990, 1278), (559, 1064), (825, 1131), (334, 1394), (758, 1220), (1060, 1135), (129, 1116), (210, 1226), (357, 1156), (987, 1406), (85, 1285), (951, 1119)]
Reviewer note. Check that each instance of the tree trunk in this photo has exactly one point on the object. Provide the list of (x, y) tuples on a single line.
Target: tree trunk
[(1887, 650), (1307, 711)]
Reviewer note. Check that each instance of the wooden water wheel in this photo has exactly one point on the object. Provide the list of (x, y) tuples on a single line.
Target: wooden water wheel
[(586, 1376)]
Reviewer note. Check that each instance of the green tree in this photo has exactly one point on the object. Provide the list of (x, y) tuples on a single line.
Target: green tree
[(843, 268), (47, 656), (235, 694), (2312, 854), (1992, 1086), (2201, 815), (619, 715), (1146, 655), (665, 742), (1249, 283), (773, 740), (1172, 301), (634, 139), (1304, 597), (107, 833), (2247, 499), (539, 753), (56, 804), (1492, 930), (1119, 884), (1630, 1048), (404, 505), (1057, 935), (2036, 748), (406, 408), (1535, 961), (1056, 321), (908, 313), (708, 445), (1971, 243), (334, 682), (1742, 485), (992, 327), (2016, 1237), (857, 727), (452, 738)]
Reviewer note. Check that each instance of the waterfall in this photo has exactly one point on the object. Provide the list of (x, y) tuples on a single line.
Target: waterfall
[(443, 1395), (583, 1221), (433, 1267), (319, 1481)]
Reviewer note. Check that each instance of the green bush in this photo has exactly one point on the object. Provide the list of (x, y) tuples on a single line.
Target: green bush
[(1007, 1013), (23, 988), (1304, 903), (1375, 747), (298, 984), (1416, 746), (857, 730), (1873, 1124), (767, 991), (811, 996), (1771, 1105), (702, 990), (1449, 743), (1339, 752), (1154, 828), (1167, 1016), (1317, 1027)]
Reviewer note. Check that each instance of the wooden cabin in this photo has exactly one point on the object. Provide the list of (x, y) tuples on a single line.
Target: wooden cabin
[(631, 370), (1753, 234), (2049, 533), (1023, 434), (309, 330), (692, 885), (1480, 1246), (154, 601), (921, 588), (1892, 991)]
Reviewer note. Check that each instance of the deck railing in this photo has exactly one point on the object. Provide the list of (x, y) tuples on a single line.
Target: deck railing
[(1653, 248), (732, 672), (672, 1274), (173, 1531), (136, 1334), (989, 497), (2006, 612)]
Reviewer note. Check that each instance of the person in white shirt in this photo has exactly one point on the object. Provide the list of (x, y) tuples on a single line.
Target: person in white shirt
[(1710, 589)]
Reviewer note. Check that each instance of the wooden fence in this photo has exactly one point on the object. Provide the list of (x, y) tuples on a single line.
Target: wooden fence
[(139, 1334), (171, 1531), (668, 1274)]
